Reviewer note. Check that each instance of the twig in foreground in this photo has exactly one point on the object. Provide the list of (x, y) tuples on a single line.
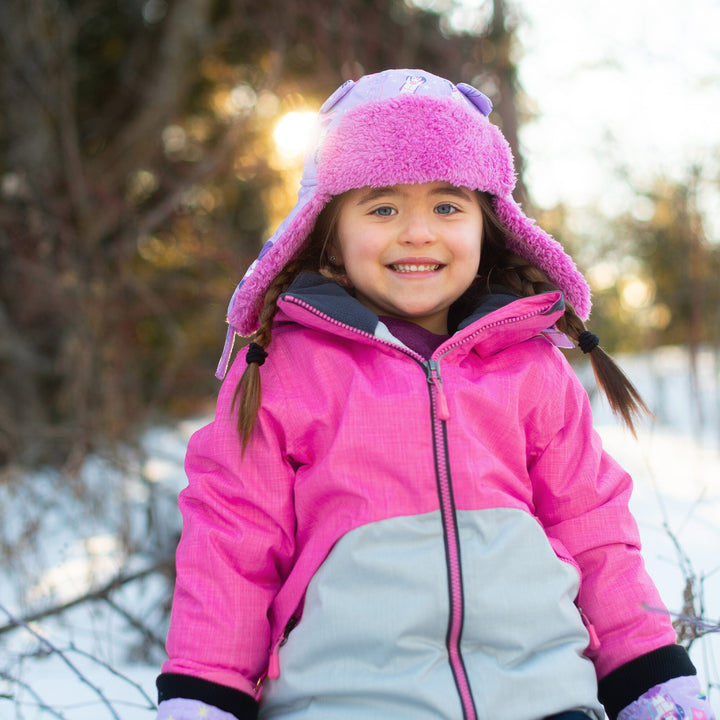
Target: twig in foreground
[(76, 671)]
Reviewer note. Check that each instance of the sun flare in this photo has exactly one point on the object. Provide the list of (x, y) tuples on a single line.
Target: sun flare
[(292, 131)]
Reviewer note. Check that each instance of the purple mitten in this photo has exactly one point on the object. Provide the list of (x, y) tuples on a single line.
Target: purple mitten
[(677, 699), (182, 709)]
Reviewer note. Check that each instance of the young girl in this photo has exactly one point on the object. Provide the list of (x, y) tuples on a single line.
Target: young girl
[(405, 512)]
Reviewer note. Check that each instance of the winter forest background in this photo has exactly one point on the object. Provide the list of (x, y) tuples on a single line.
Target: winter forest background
[(144, 158)]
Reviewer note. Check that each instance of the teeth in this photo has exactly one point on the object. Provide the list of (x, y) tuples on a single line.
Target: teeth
[(414, 268)]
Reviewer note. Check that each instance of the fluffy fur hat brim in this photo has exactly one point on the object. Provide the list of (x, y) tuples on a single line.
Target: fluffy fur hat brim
[(415, 139)]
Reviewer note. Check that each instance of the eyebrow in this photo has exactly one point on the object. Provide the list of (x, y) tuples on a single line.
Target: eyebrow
[(452, 190), (374, 193)]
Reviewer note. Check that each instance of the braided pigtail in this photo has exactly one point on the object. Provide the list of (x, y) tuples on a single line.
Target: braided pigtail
[(248, 394), (625, 401), (249, 389), (499, 266)]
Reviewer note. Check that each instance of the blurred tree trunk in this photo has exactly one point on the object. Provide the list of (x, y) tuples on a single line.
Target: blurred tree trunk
[(502, 37), (698, 271)]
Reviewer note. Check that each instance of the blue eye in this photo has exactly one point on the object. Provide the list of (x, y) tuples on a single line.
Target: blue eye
[(445, 209), (384, 211)]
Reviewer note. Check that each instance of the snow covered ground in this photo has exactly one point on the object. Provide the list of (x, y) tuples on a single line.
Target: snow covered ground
[(78, 544)]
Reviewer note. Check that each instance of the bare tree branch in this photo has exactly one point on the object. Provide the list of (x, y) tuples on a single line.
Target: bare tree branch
[(28, 688), (690, 624), (150, 702), (63, 657), (137, 624), (102, 593)]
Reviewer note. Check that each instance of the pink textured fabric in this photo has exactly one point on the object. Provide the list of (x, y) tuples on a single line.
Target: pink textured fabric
[(401, 126), (326, 457)]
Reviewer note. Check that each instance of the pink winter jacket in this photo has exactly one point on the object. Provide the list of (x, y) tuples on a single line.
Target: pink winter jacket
[(484, 456)]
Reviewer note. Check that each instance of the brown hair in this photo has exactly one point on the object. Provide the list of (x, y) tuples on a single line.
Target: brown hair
[(498, 266)]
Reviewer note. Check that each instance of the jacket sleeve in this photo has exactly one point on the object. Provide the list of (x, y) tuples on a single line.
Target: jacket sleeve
[(581, 497), (236, 549)]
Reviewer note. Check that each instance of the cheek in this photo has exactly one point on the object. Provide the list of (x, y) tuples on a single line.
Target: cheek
[(342, 239), (479, 245), (360, 246), (353, 256), (473, 251), (471, 263)]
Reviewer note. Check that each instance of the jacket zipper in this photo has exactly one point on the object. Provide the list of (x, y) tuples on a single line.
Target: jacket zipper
[(440, 414)]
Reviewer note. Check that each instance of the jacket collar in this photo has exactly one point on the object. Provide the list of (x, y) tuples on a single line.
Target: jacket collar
[(498, 320)]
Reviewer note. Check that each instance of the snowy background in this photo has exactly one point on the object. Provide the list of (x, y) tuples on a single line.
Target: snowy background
[(78, 545)]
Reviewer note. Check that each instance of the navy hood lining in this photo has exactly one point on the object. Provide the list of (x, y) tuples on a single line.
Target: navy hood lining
[(333, 300)]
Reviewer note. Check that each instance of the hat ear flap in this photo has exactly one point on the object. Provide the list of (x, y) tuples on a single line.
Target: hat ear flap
[(531, 242)]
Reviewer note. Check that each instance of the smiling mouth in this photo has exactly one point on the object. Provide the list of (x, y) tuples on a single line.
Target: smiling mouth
[(411, 268)]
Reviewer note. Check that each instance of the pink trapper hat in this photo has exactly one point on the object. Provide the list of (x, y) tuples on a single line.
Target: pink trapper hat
[(402, 127)]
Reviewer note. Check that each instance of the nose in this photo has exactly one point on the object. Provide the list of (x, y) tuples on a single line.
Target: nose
[(417, 230)]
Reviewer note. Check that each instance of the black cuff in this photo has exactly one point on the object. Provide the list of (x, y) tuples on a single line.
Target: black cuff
[(239, 704), (628, 682)]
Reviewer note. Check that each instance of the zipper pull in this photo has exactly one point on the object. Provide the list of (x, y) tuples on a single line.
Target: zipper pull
[(274, 666), (434, 378), (594, 639), (273, 669)]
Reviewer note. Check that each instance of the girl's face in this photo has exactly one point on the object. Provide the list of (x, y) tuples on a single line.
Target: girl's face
[(410, 251)]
